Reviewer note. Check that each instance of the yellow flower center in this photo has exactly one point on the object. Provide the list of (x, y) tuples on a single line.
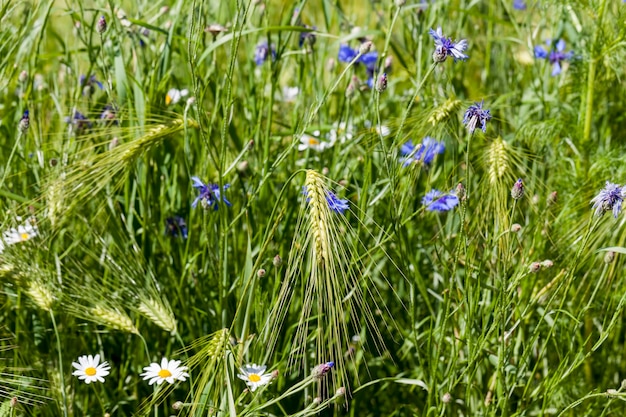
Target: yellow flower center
[(254, 378), (91, 371), (168, 100), (313, 141), (164, 373), (24, 236)]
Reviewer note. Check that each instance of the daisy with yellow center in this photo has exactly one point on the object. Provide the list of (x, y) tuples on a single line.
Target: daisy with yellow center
[(174, 95), (169, 371), (24, 232), (89, 369), (254, 376), (313, 142)]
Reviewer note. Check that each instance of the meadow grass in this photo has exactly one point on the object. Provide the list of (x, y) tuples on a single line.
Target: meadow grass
[(236, 185)]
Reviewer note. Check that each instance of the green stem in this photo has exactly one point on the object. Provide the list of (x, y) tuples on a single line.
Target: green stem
[(60, 353)]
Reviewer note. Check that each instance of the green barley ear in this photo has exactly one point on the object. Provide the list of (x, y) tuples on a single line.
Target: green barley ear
[(443, 112), (157, 312), (94, 171), (324, 264), (114, 317)]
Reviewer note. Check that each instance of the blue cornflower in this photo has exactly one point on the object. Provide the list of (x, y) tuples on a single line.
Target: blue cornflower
[(425, 153), (88, 84), (445, 47), (80, 121), (24, 122), (307, 37), (609, 199), (210, 194), (175, 226), (346, 54), (556, 56), (519, 4), (475, 114), (435, 200), (108, 114), (335, 203), (369, 60), (262, 51)]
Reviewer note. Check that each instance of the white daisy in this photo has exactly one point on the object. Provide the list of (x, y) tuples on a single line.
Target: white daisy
[(168, 371), (313, 142), (254, 376), (341, 133), (174, 95), (290, 94), (24, 232), (89, 369), (380, 129)]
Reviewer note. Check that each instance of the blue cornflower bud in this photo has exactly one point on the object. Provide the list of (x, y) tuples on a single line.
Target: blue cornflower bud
[(307, 38), (519, 4), (262, 51), (88, 84), (610, 198), (322, 369), (517, 191), (555, 56), (210, 194), (476, 114), (101, 26), (445, 47), (424, 152), (435, 200), (381, 84), (24, 122)]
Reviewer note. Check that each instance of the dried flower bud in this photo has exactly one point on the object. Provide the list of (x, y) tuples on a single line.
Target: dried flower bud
[(275, 373), (101, 26), (23, 77), (352, 87), (277, 261), (609, 257), (547, 264), (439, 55), (322, 369), (260, 273), (365, 47), (535, 267), (381, 84), (516, 227), (446, 398), (178, 405), (517, 191)]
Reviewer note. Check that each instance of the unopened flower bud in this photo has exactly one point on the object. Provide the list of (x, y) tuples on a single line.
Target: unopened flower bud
[(23, 77), (446, 398), (547, 263), (381, 84), (114, 142), (535, 267), (53, 162), (275, 373), (242, 167), (365, 47), (317, 400), (517, 191), (609, 257), (24, 122), (322, 369), (277, 261), (460, 192), (191, 101), (400, 3), (439, 55), (14, 402), (325, 171), (101, 26), (388, 62), (260, 273), (341, 391), (331, 64), (516, 227), (178, 405), (552, 198)]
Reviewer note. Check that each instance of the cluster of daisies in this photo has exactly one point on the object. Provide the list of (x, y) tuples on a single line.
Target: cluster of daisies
[(90, 369)]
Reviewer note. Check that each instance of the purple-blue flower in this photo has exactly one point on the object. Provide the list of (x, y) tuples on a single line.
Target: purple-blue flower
[(307, 37), (369, 60), (435, 200), (555, 56), (519, 4), (346, 54), (476, 114), (176, 226), (609, 199), (262, 51), (210, 194), (80, 121), (425, 153), (445, 47), (88, 84), (335, 203), (24, 122)]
